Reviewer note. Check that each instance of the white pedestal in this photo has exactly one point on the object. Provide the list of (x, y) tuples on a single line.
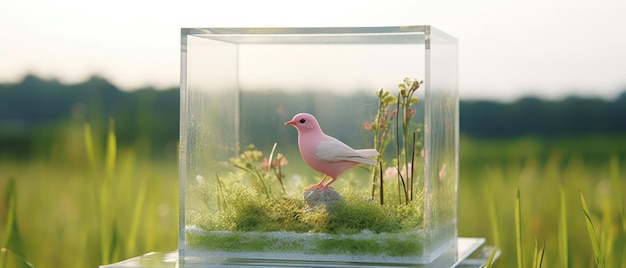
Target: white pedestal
[(468, 255)]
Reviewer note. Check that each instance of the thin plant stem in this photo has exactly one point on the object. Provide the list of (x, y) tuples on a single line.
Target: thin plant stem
[(377, 142), (405, 120), (279, 175), (382, 189), (221, 203), (405, 124), (406, 195), (269, 168), (270, 159), (398, 145), (412, 176), (255, 172)]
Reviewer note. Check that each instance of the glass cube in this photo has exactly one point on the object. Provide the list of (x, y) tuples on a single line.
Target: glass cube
[(243, 179)]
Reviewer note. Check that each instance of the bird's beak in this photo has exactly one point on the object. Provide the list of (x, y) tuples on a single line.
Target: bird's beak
[(290, 123)]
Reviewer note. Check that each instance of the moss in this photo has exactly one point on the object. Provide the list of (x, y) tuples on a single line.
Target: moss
[(249, 211), (358, 214), (287, 215), (318, 220), (349, 246), (367, 243), (353, 217), (235, 241), (250, 222), (399, 244), (409, 245)]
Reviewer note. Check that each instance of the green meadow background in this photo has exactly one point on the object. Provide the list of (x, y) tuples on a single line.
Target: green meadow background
[(89, 176)]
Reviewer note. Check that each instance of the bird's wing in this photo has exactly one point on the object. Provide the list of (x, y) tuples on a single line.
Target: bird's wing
[(333, 150)]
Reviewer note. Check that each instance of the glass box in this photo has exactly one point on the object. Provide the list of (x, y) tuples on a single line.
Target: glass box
[(245, 189)]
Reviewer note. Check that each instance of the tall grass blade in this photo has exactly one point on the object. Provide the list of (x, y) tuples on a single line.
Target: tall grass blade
[(623, 215), (614, 228), (616, 187), (592, 233), (538, 256), (518, 231), (116, 247), (12, 238), (535, 255), (81, 260), (22, 262), (541, 254), (105, 235), (134, 225), (111, 153), (100, 188), (623, 255), (610, 238), (614, 174), (90, 146), (563, 240), (493, 219), (491, 258), (108, 240), (9, 200)]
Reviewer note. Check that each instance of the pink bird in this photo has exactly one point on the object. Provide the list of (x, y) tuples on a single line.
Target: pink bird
[(324, 153)]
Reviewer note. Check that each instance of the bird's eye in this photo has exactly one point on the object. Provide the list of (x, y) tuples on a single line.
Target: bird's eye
[(302, 121)]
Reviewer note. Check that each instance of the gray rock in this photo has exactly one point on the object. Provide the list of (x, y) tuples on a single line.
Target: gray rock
[(316, 197)]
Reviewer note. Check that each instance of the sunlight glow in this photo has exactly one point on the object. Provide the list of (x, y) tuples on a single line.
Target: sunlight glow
[(506, 49)]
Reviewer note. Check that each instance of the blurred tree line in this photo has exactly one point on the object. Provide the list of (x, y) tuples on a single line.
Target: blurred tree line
[(531, 116), (34, 109)]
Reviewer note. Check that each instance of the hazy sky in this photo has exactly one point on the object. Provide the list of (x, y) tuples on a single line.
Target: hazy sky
[(507, 49)]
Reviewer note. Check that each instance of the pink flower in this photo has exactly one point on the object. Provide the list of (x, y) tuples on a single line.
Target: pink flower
[(411, 113), (407, 171), (390, 173), (280, 160), (442, 172), (393, 114), (382, 120), (367, 126)]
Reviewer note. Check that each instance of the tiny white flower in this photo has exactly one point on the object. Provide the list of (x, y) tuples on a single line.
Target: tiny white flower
[(199, 179)]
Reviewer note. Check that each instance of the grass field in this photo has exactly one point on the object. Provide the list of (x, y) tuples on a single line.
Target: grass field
[(550, 175), (84, 202)]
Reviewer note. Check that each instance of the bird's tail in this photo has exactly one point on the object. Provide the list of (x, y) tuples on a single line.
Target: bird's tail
[(366, 155)]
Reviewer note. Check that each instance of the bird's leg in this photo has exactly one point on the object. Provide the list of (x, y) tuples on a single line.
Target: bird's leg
[(320, 184), (325, 187)]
